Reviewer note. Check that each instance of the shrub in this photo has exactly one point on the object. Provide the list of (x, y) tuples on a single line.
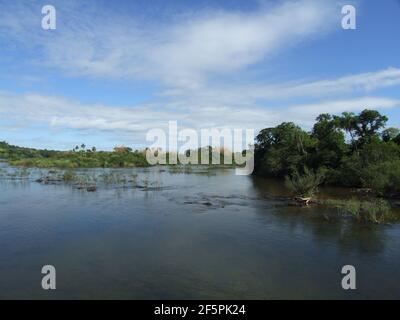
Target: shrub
[(383, 177), (306, 184)]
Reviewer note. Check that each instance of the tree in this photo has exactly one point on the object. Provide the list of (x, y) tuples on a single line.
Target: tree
[(368, 123), (371, 160), (122, 150), (347, 122), (280, 150), (331, 144), (397, 139), (390, 134)]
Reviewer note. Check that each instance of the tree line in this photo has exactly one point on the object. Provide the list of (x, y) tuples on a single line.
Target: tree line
[(78, 157), (351, 150)]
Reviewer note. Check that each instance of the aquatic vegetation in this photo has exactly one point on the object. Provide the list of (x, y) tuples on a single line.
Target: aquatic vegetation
[(91, 180), (85, 179), (118, 178), (180, 169), (133, 177), (146, 183), (373, 210), (15, 174), (112, 178), (208, 169), (69, 175)]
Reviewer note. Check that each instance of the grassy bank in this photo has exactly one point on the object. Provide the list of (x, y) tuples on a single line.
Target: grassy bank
[(120, 157), (76, 158)]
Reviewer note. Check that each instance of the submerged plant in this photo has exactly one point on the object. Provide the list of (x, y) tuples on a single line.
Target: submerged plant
[(69, 176)]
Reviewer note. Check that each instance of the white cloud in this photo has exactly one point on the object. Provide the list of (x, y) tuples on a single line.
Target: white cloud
[(305, 114), (244, 94), (225, 42), (133, 122), (181, 53), (363, 82), (186, 56)]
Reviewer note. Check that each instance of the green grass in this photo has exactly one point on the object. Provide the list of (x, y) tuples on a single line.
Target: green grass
[(121, 157), (72, 160), (371, 210)]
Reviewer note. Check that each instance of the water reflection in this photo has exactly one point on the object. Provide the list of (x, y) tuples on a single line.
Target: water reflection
[(324, 223), (194, 235)]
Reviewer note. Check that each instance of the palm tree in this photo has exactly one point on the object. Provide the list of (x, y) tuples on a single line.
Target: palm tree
[(347, 122)]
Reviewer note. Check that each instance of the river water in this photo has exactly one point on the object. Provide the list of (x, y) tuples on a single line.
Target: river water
[(198, 235)]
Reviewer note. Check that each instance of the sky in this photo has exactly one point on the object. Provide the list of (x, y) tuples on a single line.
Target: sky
[(113, 70)]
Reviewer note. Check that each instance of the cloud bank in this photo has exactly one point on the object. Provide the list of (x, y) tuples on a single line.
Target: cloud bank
[(192, 59)]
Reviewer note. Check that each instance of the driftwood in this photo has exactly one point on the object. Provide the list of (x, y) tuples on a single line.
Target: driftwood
[(304, 201)]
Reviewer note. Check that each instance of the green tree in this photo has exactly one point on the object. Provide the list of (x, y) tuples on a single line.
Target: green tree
[(347, 122), (397, 139), (367, 125), (281, 150), (331, 145), (390, 134)]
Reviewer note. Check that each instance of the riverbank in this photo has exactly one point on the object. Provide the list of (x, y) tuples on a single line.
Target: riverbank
[(82, 157)]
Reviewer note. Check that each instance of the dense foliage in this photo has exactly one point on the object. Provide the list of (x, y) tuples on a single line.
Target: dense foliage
[(76, 158), (352, 150)]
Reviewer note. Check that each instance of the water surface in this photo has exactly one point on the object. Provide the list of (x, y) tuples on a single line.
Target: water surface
[(199, 235)]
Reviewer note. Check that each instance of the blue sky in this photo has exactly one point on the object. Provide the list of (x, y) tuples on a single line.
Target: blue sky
[(111, 71)]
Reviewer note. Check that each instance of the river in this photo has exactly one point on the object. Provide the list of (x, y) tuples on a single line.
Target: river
[(205, 234)]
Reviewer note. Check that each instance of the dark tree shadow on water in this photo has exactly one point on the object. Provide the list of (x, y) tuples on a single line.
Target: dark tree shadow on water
[(326, 225)]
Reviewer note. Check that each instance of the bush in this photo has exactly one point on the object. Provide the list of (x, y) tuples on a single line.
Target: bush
[(383, 178), (306, 184)]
